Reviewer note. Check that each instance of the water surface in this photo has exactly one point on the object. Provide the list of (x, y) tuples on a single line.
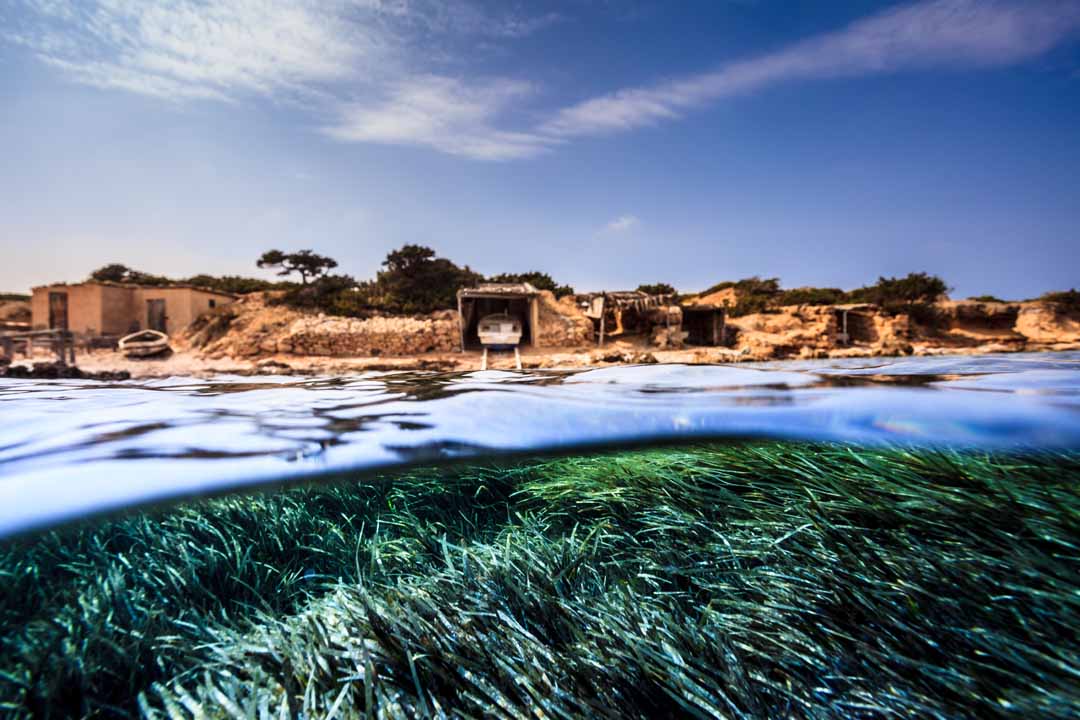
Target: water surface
[(70, 448)]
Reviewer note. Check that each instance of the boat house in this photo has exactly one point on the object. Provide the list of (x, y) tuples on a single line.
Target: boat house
[(518, 300), (104, 309)]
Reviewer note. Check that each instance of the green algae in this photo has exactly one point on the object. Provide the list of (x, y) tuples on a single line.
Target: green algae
[(755, 580)]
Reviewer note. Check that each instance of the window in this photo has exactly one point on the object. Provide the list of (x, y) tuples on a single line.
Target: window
[(213, 303)]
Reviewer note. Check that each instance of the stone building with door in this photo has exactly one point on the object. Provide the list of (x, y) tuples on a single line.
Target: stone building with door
[(96, 309)]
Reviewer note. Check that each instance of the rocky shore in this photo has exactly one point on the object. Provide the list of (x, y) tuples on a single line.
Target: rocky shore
[(256, 337)]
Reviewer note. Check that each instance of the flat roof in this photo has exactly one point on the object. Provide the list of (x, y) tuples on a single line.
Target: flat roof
[(172, 286), (499, 290)]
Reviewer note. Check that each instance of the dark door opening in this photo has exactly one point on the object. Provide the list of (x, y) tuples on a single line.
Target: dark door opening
[(155, 315), (475, 309), (58, 311)]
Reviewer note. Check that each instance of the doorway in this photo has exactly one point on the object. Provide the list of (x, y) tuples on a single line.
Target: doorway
[(155, 315), (58, 311)]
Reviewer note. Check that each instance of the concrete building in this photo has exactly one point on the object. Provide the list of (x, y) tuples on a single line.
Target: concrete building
[(113, 309)]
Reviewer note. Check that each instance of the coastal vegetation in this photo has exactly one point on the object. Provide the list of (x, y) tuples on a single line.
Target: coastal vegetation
[(752, 580), (1067, 301), (657, 289)]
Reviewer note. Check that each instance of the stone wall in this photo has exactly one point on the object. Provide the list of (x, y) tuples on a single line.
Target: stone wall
[(562, 324), (377, 336)]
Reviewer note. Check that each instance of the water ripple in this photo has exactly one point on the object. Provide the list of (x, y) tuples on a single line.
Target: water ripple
[(70, 448)]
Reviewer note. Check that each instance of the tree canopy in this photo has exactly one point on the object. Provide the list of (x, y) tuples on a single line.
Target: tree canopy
[(539, 280), (657, 289), (415, 280), (307, 264)]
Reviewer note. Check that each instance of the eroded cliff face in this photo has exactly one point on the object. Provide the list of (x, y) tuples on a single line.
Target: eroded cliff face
[(955, 326), (251, 328)]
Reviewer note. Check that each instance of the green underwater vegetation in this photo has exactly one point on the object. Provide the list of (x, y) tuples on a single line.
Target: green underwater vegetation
[(720, 581)]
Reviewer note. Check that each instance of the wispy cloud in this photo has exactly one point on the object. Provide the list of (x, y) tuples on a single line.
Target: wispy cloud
[(180, 49), (376, 71), (622, 223), (446, 114), (933, 33)]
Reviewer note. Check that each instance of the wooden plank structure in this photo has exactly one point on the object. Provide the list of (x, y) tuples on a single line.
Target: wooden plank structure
[(61, 342), (621, 312)]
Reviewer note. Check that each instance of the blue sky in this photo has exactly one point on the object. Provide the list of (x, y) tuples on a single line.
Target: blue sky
[(608, 143)]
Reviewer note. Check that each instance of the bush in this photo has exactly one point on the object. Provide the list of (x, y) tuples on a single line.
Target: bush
[(899, 292), (748, 286), (14, 297), (236, 284), (1065, 300), (985, 298), (657, 289), (118, 273), (416, 281), (810, 296), (539, 280), (333, 295)]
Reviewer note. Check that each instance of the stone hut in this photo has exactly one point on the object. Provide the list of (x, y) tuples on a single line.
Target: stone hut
[(97, 309)]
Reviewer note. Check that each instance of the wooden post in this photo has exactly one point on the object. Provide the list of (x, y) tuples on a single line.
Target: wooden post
[(461, 321), (534, 323), (603, 312)]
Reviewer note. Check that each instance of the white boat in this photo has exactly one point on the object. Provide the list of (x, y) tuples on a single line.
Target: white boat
[(144, 343), (499, 331)]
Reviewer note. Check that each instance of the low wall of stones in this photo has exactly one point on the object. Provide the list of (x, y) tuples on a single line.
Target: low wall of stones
[(378, 336)]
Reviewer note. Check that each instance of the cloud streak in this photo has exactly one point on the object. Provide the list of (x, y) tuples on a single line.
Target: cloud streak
[(934, 33), (375, 71), (443, 113), (623, 223)]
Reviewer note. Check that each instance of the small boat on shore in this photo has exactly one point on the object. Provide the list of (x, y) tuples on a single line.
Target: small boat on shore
[(499, 331), (144, 343)]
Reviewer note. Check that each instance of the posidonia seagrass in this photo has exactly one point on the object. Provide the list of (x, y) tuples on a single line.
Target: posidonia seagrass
[(752, 580)]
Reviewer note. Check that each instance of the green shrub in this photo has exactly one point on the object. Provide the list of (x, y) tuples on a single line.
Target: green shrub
[(331, 294), (657, 289), (236, 284), (900, 292), (810, 296), (539, 280), (986, 299), (1066, 300), (14, 297), (414, 281)]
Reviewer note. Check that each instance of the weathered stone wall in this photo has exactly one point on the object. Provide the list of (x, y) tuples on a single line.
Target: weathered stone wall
[(382, 336), (562, 324)]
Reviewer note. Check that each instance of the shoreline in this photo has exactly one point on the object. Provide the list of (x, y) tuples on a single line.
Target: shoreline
[(190, 363)]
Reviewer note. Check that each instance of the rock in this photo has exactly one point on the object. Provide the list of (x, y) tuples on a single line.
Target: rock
[(1044, 323), (58, 371)]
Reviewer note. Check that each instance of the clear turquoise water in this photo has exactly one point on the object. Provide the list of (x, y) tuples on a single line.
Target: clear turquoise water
[(74, 448)]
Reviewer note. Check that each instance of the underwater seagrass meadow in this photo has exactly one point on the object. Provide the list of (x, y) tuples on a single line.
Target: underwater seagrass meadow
[(724, 580)]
